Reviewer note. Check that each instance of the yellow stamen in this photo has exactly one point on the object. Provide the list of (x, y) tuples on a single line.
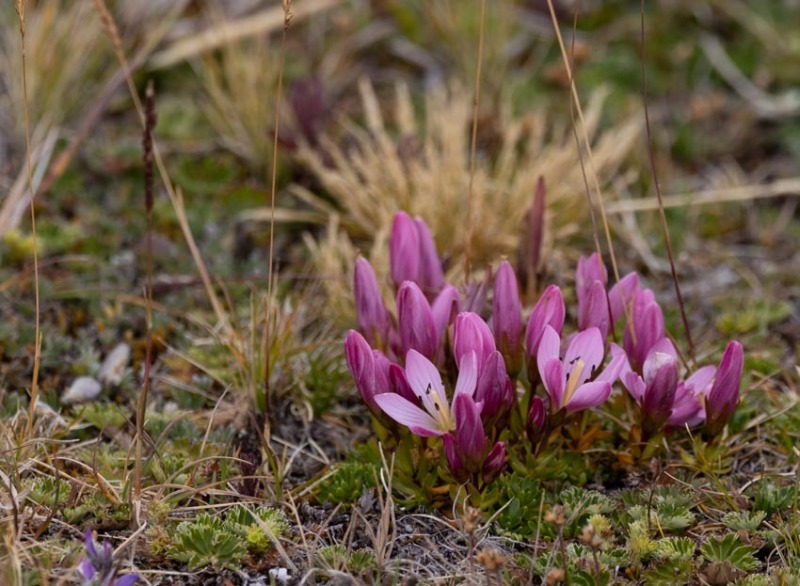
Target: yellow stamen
[(443, 415), (573, 380)]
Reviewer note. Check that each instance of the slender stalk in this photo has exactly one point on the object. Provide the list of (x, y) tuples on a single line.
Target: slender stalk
[(474, 144), (662, 215), (20, 8)]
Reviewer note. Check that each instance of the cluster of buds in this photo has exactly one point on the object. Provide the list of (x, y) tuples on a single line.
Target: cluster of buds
[(398, 358)]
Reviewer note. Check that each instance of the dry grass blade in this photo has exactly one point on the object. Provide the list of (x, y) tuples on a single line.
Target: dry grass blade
[(777, 188), (270, 20)]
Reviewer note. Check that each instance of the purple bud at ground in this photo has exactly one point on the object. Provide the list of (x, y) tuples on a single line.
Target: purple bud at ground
[(494, 463), (589, 270), (445, 308), (431, 276), (593, 310), (507, 317), (548, 311), (646, 330), (622, 294), (723, 398), (404, 257), (472, 334), (126, 580), (361, 363), (415, 321), (661, 382), (372, 315), (537, 414), (454, 461), (86, 570), (470, 437)]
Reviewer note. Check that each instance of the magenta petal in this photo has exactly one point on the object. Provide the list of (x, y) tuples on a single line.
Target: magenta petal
[(408, 414), (586, 346), (588, 396), (723, 397), (372, 315), (471, 333), (594, 310), (548, 311), (415, 320), (549, 348), (634, 384), (467, 375), (424, 378), (431, 276), (622, 294), (698, 382), (444, 309), (553, 379), (470, 436)]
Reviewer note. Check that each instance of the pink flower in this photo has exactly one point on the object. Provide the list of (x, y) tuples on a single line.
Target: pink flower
[(645, 329), (687, 408), (415, 321), (723, 398), (413, 256), (574, 383), (373, 317), (436, 418), (655, 391), (361, 362), (548, 311), (507, 317), (472, 334)]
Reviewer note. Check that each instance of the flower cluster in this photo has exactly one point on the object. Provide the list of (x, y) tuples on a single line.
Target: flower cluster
[(97, 568), (398, 359)]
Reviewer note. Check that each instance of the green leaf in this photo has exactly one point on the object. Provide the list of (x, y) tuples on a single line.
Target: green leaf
[(730, 549)]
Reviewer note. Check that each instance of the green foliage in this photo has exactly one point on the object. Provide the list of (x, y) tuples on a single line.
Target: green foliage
[(669, 573), (337, 558), (206, 541), (48, 491), (730, 549), (524, 500), (348, 482), (257, 526), (666, 517), (771, 498), (579, 505), (748, 521), (675, 548)]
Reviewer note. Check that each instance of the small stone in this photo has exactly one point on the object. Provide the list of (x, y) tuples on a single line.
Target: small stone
[(83, 389), (115, 364)]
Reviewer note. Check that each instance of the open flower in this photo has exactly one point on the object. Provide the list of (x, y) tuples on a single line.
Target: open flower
[(656, 390), (98, 568), (573, 382), (436, 417)]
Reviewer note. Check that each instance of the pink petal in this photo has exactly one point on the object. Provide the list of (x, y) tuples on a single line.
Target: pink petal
[(467, 374), (699, 381), (554, 380), (588, 347), (549, 348), (424, 378), (588, 395), (635, 385), (408, 414)]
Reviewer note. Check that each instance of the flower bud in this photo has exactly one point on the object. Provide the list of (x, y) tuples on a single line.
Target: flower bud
[(507, 317), (723, 398), (661, 382), (470, 438), (415, 321), (372, 315), (494, 463), (646, 330), (548, 311), (471, 334), (431, 276), (404, 247), (445, 308)]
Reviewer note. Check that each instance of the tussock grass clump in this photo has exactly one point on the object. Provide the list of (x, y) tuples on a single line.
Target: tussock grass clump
[(66, 57), (239, 83), (420, 164)]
